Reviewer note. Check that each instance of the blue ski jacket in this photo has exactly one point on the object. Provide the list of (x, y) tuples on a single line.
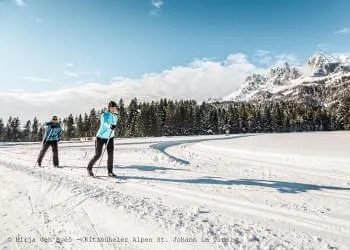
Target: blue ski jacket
[(107, 119), (53, 131)]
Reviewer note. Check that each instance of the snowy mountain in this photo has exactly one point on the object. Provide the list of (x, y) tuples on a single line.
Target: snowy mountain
[(256, 84), (251, 84), (282, 74), (322, 64), (322, 80)]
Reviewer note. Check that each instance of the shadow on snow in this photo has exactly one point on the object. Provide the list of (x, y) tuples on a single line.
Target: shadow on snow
[(136, 167), (280, 186)]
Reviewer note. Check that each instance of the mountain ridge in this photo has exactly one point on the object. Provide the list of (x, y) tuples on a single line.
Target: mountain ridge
[(321, 80)]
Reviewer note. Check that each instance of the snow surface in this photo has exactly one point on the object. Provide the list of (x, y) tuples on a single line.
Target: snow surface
[(252, 191)]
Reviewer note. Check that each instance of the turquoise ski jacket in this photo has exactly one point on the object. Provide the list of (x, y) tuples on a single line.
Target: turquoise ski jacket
[(107, 119), (53, 131)]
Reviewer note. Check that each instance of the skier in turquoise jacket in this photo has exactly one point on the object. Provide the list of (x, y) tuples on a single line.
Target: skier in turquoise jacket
[(105, 135), (53, 133)]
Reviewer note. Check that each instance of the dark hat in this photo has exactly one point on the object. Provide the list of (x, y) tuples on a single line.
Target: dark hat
[(112, 104)]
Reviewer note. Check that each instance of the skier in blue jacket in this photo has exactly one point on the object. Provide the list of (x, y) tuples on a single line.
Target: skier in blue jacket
[(105, 135), (53, 133)]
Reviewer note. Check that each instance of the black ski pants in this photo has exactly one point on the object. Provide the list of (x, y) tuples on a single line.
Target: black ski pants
[(98, 152), (46, 145)]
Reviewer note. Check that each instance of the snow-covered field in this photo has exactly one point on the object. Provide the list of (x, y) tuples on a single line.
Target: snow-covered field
[(273, 191)]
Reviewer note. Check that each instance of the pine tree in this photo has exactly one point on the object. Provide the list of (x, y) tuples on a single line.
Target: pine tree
[(325, 120), (243, 118), (86, 125), (9, 134), (16, 132), (190, 110), (41, 133), (213, 120), (343, 112), (162, 114), (267, 119), (70, 128), (132, 119), (180, 121), (26, 134), (169, 120), (2, 130), (122, 116), (205, 121), (142, 122), (35, 130), (80, 126), (196, 129), (278, 125), (155, 119)]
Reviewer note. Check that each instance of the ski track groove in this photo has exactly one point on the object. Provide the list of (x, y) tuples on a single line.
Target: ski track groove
[(92, 226)]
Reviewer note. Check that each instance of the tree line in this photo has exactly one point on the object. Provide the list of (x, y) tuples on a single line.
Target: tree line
[(187, 117)]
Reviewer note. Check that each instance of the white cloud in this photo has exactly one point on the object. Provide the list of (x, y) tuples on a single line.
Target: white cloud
[(33, 78), (20, 3), (261, 52), (343, 31), (71, 74), (157, 3), (16, 90), (343, 57), (199, 80), (39, 20)]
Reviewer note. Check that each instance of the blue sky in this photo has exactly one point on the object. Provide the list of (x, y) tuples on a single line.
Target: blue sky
[(49, 45)]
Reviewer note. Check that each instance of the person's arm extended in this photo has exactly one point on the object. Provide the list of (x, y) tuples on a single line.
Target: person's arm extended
[(114, 124), (116, 115), (59, 132)]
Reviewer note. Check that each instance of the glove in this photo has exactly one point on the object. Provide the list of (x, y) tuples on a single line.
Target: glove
[(113, 126)]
